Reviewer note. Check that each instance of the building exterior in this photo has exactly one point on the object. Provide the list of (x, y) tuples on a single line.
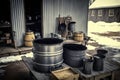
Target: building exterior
[(51, 9), (107, 10)]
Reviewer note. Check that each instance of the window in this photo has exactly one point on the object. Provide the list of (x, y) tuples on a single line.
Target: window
[(99, 12), (92, 13), (111, 12)]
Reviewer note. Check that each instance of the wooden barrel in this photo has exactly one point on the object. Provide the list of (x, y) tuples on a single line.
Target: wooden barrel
[(29, 37), (79, 36)]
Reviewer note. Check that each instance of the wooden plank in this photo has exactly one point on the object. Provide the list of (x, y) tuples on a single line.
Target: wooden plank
[(2, 66), (24, 50), (7, 51), (92, 78), (4, 50), (98, 77), (113, 75), (37, 75), (108, 70), (108, 67), (114, 66)]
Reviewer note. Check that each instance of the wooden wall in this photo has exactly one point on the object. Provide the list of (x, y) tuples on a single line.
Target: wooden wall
[(105, 17)]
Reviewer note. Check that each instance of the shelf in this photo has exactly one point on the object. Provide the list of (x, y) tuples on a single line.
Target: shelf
[(5, 25)]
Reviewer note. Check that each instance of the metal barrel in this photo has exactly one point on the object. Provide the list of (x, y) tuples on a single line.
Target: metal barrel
[(48, 54), (73, 54)]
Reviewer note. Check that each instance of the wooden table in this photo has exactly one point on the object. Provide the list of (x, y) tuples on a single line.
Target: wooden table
[(109, 70)]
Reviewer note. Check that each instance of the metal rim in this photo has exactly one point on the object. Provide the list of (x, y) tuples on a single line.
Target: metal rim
[(49, 64), (56, 52), (47, 54)]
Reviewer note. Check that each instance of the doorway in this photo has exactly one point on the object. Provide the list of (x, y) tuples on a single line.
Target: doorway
[(33, 16)]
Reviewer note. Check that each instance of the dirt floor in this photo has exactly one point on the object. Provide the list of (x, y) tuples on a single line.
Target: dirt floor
[(16, 71)]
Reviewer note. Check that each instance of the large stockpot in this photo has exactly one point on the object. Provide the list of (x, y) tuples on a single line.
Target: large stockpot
[(47, 58), (46, 67), (73, 54), (48, 44), (47, 54)]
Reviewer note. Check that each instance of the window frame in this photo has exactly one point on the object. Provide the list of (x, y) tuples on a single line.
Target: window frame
[(111, 12), (100, 12), (92, 12)]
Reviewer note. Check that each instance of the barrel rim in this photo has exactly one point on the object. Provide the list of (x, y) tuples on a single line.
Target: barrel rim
[(45, 42), (68, 47)]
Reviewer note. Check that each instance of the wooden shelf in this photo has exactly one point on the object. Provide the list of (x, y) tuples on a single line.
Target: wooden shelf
[(5, 25)]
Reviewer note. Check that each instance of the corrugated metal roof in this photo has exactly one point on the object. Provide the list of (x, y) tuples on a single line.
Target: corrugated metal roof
[(105, 4)]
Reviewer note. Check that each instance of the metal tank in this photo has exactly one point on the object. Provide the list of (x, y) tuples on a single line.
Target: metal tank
[(48, 54), (73, 54)]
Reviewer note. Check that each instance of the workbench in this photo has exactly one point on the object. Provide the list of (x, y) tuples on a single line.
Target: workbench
[(109, 70)]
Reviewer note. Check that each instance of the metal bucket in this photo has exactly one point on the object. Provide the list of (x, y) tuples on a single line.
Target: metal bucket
[(47, 58), (98, 64), (73, 54), (47, 54), (87, 66)]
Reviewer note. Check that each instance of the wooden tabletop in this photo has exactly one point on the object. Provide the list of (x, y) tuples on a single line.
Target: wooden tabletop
[(108, 67)]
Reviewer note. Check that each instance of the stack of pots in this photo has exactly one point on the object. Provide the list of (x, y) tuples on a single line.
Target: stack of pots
[(48, 54), (74, 54)]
